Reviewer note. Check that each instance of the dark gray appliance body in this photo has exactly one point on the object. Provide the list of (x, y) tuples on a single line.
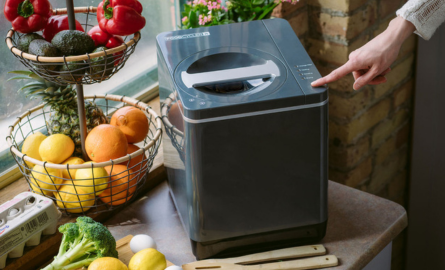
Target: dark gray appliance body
[(248, 169)]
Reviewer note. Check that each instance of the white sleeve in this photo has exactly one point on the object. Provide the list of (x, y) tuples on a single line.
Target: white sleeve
[(426, 15)]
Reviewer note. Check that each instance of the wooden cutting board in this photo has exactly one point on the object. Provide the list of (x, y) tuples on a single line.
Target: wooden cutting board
[(125, 253)]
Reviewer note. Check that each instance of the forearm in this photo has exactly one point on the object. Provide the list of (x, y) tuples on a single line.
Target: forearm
[(425, 15), (399, 30)]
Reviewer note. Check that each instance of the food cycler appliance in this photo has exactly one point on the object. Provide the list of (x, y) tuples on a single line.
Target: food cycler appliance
[(246, 151)]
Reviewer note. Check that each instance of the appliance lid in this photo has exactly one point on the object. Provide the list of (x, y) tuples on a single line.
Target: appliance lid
[(239, 68), (228, 76)]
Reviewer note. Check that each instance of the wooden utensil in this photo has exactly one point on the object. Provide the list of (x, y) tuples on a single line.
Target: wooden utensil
[(300, 264), (281, 254)]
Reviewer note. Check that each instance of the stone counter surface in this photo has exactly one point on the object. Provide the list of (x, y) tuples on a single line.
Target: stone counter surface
[(360, 225)]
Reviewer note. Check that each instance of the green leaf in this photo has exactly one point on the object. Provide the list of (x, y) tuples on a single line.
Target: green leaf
[(267, 11), (18, 78), (37, 78), (22, 72), (36, 92), (251, 17), (257, 2), (33, 84), (193, 18)]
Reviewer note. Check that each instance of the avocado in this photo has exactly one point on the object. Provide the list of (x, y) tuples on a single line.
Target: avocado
[(73, 42), (101, 67), (72, 72), (25, 40), (42, 47)]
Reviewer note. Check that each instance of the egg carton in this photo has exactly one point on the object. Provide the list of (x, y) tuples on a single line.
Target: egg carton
[(22, 222)]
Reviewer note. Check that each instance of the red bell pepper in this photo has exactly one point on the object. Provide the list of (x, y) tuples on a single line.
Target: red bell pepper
[(56, 24), (102, 38), (28, 16), (120, 17)]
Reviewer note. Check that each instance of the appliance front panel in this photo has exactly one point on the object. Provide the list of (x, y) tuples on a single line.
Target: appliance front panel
[(258, 174)]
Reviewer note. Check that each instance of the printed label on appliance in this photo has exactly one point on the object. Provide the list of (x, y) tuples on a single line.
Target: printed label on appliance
[(195, 35)]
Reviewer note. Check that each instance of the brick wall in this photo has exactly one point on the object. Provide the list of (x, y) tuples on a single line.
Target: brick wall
[(370, 128)]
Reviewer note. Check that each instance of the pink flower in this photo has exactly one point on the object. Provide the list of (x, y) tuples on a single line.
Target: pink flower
[(293, 2), (184, 19), (218, 6)]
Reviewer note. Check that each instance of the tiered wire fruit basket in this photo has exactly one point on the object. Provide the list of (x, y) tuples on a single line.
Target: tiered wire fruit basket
[(100, 193), (174, 134), (88, 68)]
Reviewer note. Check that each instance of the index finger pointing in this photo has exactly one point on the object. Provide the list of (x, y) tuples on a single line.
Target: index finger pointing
[(335, 75)]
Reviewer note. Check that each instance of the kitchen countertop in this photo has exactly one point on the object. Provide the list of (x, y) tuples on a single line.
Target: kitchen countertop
[(360, 225)]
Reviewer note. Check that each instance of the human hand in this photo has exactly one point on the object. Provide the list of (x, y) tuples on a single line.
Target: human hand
[(370, 63)]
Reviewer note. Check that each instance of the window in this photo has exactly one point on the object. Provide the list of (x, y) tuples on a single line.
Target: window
[(138, 76)]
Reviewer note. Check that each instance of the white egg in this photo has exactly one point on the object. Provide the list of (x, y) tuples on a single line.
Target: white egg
[(173, 267), (142, 241)]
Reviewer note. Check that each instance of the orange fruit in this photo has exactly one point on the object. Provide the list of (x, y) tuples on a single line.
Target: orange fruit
[(121, 187), (136, 163), (133, 123), (105, 142)]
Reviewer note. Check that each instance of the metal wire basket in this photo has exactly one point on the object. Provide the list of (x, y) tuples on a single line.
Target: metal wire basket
[(100, 193), (176, 136), (81, 69)]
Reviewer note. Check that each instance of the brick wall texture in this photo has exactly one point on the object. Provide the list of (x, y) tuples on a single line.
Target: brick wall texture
[(370, 128)]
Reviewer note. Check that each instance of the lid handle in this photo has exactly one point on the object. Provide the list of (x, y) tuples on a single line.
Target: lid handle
[(267, 70)]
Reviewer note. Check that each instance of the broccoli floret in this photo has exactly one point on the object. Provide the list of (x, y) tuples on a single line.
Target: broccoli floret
[(82, 243)]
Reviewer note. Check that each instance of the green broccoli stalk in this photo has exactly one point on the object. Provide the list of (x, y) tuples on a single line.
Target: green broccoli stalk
[(82, 243)]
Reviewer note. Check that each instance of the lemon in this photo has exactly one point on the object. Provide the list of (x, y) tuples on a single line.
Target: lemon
[(45, 180), (92, 179), (31, 147), (56, 148), (107, 263), (72, 172), (148, 259), (74, 199)]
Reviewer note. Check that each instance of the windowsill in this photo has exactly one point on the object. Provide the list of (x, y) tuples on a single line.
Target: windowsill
[(36, 256)]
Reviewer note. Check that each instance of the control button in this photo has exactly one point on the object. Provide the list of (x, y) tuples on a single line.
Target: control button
[(303, 65)]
